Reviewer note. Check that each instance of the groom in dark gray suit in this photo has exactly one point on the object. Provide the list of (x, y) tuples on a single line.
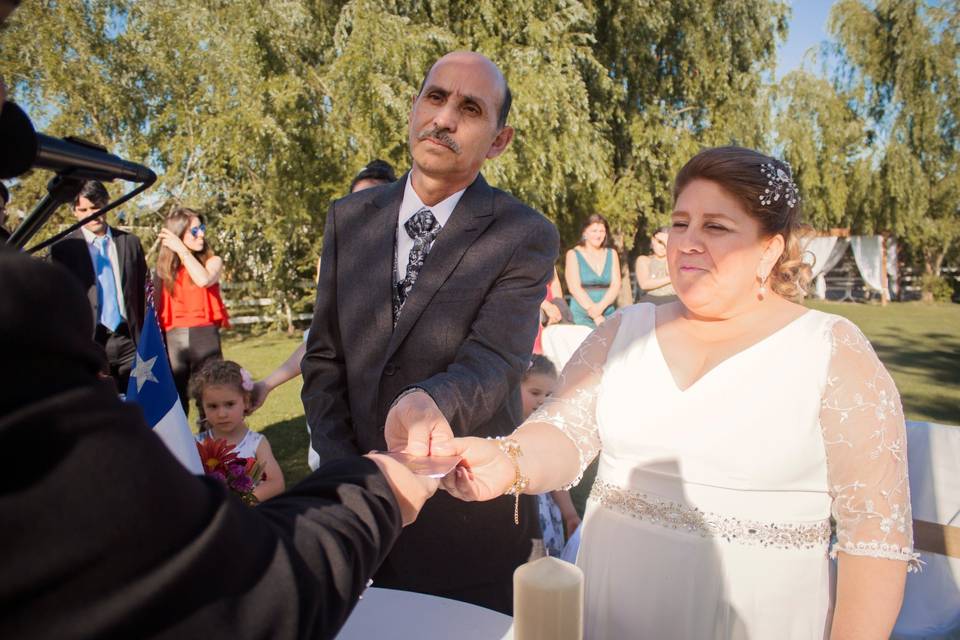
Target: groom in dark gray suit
[(426, 313)]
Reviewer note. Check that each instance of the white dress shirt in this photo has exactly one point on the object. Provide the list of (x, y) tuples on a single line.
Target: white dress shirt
[(410, 205), (90, 236)]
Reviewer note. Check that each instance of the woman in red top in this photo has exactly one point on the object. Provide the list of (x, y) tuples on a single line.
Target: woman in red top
[(190, 307)]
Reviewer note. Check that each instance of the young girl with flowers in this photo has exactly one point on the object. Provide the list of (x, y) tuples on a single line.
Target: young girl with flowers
[(221, 390)]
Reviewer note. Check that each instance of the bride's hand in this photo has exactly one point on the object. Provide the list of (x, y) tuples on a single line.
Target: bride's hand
[(485, 473)]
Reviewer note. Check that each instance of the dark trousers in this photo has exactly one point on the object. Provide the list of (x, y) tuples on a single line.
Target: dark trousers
[(121, 351), (189, 348)]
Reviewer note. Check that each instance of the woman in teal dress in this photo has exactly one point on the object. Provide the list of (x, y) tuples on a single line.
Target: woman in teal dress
[(592, 273)]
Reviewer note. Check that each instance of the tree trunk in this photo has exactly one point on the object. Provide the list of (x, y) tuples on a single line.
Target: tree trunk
[(288, 312), (932, 263)]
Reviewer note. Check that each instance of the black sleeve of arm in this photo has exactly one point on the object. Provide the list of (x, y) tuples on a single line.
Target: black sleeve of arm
[(324, 394), (338, 526), (320, 542), (112, 537), (491, 361)]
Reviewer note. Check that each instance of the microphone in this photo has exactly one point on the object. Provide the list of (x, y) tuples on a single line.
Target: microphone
[(25, 149)]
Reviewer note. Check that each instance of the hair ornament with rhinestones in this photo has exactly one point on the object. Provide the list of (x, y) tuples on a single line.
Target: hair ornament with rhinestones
[(780, 184)]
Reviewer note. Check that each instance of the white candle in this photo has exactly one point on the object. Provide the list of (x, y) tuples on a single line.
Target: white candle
[(548, 601)]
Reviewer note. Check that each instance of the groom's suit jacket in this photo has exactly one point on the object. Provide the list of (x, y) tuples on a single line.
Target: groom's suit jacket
[(465, 336)]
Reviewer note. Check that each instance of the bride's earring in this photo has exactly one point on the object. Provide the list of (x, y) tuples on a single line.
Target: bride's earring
[(763, 286)]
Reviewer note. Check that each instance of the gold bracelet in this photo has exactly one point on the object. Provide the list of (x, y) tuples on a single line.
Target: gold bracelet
[(512, 449)]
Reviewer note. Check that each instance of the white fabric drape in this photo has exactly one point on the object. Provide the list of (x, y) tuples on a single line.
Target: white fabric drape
[(817, 251), (892, 278), (826, 252), (867, 251)]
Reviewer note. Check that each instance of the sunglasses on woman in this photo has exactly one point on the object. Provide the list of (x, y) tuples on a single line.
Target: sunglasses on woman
[(195, 231)]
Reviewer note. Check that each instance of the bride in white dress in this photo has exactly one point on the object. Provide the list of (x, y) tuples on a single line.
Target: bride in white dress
[(730, 426)]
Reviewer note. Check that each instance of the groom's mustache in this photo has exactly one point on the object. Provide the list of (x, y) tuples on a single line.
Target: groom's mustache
[(440, 135)]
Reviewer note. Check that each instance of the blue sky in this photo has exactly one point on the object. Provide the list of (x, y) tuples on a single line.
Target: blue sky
[(808, 28)]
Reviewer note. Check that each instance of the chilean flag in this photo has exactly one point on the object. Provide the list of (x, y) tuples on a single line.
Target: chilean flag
[(151, 386)]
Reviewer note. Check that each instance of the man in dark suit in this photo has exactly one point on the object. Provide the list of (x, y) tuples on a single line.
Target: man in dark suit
[(110, 266), (427, 309), (106, 535)]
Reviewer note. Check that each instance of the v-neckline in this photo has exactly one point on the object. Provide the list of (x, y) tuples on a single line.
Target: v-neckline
[(733, 356), (599, 274)]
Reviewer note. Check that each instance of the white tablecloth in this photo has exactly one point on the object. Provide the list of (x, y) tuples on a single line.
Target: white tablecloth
[(387, 614), (931, 604)]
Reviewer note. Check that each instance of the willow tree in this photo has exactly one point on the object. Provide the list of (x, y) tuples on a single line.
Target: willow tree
[(826, 143), (683, 75), (61, 61), (903, 56), (259, 113), (383, 51), (196, 90)]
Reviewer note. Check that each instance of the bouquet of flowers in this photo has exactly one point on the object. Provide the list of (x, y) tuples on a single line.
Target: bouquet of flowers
[(241, 475)]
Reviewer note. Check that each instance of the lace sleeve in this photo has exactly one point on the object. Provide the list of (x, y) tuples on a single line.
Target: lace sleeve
[(866, 440), (573, 408)]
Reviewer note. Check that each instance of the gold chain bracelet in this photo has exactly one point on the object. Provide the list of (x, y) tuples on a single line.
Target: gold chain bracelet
[(512, 449)]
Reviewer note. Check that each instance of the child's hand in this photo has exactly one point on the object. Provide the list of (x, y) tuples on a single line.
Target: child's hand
[(257, 396), (552, 311), (570, 524)]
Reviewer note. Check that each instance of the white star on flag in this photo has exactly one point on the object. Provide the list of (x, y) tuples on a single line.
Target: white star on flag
[(143, 371)]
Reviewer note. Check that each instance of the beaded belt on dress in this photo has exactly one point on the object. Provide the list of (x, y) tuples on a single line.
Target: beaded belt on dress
[(712, 525)]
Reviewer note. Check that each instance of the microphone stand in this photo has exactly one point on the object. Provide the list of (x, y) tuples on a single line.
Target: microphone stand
[(61, 189)]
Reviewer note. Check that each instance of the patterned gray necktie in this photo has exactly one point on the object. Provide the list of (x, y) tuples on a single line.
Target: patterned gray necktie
[(423, 228)]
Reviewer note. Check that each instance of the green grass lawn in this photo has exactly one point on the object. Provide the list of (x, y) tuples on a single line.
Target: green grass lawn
[(919, 344)]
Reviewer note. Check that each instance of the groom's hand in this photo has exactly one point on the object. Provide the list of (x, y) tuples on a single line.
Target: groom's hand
[(415, 425)]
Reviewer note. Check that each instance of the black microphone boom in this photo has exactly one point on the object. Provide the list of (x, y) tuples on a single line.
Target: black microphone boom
[(24, 149), (73, 161), (86, 160)]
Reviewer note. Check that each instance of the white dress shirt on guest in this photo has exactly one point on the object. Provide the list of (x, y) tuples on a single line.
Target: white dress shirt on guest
[(89, 236)]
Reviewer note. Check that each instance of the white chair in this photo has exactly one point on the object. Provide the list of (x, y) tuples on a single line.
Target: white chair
[(931, 604), (559, 341)]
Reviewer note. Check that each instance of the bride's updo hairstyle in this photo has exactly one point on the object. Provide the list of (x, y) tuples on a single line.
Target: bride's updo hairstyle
[(765, 188)]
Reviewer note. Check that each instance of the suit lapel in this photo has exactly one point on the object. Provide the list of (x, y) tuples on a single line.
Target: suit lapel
[(470, 218), (373, 259), (79, 259), (81, 255)]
